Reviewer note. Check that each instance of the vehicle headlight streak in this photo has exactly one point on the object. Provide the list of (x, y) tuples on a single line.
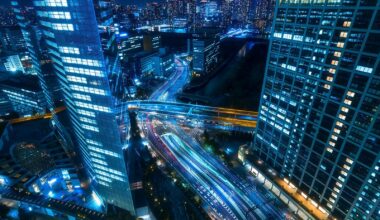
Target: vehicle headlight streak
[(213, 178)]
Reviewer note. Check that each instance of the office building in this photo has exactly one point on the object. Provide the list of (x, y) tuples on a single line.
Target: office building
[(165, 64), (262, 14), (131, 44), (11, 39), (151, 42), (25, 96), (70, 30), (206, 53), (211, 9), (319, 125), (11, 63)]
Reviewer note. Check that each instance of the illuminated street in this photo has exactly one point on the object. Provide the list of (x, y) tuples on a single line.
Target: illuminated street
[(228, 195)]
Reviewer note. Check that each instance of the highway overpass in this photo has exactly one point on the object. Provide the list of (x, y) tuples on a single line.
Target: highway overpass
[(232, 117)]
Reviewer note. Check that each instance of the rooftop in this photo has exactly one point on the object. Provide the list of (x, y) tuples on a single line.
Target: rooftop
[(29, 83)]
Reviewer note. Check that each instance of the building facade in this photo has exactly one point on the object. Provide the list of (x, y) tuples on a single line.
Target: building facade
[(70, 30), (25, 97), (11, 63), (319, 124), (206, 53)]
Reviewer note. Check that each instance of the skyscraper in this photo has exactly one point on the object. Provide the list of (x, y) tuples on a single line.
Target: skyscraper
[(70, 29), (319, 125)]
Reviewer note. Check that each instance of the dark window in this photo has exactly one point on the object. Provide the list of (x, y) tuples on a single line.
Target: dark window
[(367, 158), (373, 44), (363, 18)]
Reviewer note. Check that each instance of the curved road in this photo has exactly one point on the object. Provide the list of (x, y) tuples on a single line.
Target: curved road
[(228, 196)]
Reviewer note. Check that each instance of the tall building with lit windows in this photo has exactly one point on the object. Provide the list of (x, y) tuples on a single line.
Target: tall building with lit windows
[(70, 30), (319, 124)]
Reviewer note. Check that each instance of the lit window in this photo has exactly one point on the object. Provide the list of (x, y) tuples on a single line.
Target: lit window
[(343, 117), (340, 45), (90, 128), (93, 107), (347, 24), (82, 97), (347, 102), (346, 167), (89, 141), (340, 124), (364, 69), (350, 94), (334, 62), (336, 130), (82, 71), (331, 70), (344, 109), (337, 54), (87, 120), (62, 27), (330, 79), (56, 3), (55, 14), (77, 79), (87, 113), (69, 50), (86, 89), (348, 160), (80, 61), (343, 34)]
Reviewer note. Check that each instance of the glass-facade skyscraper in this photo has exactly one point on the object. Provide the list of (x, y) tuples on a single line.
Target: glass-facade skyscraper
[(319, 123), (70, 30)]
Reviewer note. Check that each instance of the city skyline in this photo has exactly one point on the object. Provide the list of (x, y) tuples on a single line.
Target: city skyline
[(186, 109)]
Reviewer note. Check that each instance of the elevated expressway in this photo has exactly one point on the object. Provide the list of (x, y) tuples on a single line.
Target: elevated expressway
[(220, 116)]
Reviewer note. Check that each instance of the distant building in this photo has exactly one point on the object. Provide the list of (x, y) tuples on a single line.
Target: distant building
[(262, 14), (165, 65), (206, 53), (211, 9), (144, 64), (11, 63), (152, 42), (25, 95), (11, 39), (130, 44)]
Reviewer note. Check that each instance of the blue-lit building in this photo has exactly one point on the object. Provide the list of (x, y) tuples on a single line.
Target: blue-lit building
[(206, 53), (11, 63), (25, 96), (131, 44), (319, 124), (70, 30)]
